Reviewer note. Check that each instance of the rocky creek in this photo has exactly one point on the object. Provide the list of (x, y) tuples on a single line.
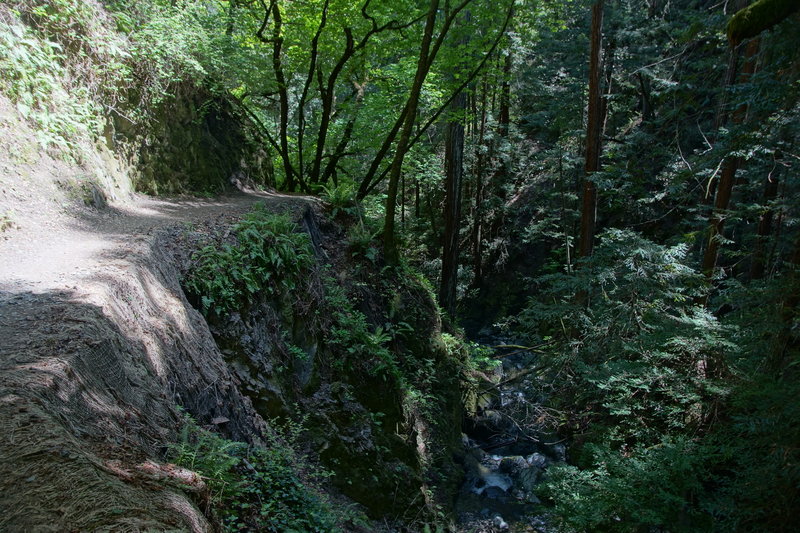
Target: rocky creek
[(508, 449)]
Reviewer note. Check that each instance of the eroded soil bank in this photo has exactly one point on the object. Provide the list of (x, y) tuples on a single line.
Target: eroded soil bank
[(102, 351), (99, 346)]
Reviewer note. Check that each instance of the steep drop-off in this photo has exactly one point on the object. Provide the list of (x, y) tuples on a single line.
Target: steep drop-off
[(103, 356)]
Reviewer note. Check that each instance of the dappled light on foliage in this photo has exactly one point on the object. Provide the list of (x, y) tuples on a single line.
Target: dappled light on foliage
[(467, 266)]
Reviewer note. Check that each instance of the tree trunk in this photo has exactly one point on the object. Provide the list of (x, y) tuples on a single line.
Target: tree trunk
[(339, 151), (480, 165), (608, 77), (728, 175), (454, 165), (760, 16), (758, 262), (390, 250), (312, 68), (372, 178), (594, 123), (787, 337), (276, 40), (505, 97), (327, 90)]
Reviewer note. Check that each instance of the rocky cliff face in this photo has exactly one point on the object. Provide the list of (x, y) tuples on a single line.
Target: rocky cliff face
[(195, 141), (385, 417)]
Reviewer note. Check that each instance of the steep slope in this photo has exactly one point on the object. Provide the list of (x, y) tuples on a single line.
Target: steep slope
[(99, 347), (103, 356)]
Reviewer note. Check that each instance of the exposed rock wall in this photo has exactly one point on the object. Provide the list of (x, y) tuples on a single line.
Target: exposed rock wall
[(194, 141), (390, 440)]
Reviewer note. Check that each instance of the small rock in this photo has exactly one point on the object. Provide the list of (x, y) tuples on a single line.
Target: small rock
[(499, 523), (528, 478), (495, 493), (513, 464), (560, 452), (537, 459)]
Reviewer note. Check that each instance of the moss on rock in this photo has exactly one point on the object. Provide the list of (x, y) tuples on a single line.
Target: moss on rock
[(760, 16)]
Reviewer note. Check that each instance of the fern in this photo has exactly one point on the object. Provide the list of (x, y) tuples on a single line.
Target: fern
[(270, 256)]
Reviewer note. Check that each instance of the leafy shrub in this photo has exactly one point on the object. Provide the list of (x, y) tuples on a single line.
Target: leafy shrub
[(270, 255), (64, 66), (172, 43), (630, 490), (638, 368), (258, 489), (32, 75), (647, 353), (341, 198), (756, 476), (362, 243), (757, 472), (354, 336)]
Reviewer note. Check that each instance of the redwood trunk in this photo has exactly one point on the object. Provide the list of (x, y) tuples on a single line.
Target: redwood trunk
[(454, 166), (758, 264), (728, 175), (589, 206)]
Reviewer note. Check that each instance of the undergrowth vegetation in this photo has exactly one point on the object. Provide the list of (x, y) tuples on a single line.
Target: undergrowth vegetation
[(273, 488), (66, 68), (373, 334), (668, 406), (668, 332), (31, 73), (269, 255), (639, 370)]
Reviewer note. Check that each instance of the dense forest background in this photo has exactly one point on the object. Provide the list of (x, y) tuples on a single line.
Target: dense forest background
[(612, 185)]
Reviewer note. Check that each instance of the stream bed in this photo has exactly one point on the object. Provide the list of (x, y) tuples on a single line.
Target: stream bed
[(508, 451)]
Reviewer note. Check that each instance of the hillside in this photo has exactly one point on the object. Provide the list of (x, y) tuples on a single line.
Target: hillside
[(106, 365), (400, 266)]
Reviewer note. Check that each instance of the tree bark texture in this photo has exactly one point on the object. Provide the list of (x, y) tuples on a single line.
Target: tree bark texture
[(594, 124), (480, 168), (758, 262), (454, 167), (728, 175)]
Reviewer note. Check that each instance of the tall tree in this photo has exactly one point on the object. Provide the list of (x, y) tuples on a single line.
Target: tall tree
[(454, 169), (593, 131), (273, 11), (409, 116), (374, 175), (747, 22), (732, 162), (758, 261)]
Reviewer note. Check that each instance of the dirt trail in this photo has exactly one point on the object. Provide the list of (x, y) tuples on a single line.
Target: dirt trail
[(60, 250), (97, 345)]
